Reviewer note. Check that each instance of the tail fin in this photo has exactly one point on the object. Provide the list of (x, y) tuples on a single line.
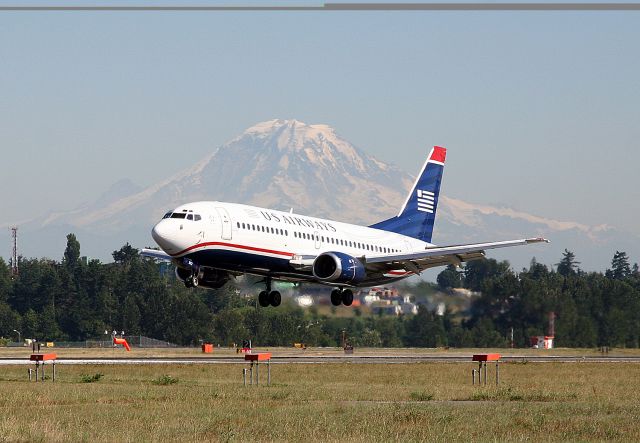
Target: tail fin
[(418, 214)]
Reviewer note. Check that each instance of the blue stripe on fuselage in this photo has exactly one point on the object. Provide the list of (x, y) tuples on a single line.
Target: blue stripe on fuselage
[(238, 261)]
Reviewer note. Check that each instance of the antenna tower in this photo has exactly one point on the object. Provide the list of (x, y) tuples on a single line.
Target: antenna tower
[(552, 324), (14, 251)]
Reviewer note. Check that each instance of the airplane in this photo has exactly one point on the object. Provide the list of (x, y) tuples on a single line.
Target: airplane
[(210, 242)]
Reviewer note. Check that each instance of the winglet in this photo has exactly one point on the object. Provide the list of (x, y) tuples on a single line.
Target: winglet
[(537, 240)]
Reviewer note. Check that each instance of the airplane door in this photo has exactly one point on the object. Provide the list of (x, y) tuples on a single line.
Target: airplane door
[(225, 222), (317, 237)]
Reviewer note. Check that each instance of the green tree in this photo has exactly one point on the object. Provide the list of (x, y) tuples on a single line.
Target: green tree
[(426, 329), (71, 253), (568, 264), (369, 338), (47, 324), (125, 254), (30, 325), (620, 267), (130, 316), (9, 320), (229, 327), (5, 280), (477, 271), (449, 278)]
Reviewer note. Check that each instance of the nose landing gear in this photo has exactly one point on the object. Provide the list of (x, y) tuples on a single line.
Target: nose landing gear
[(269, 297), (341, 296), (192, 280)]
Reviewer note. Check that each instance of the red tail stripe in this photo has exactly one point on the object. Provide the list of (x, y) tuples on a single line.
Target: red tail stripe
[(232, 245), (439, 154)]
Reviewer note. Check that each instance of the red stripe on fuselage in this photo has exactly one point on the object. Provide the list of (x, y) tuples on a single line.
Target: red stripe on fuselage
[(248, 248)]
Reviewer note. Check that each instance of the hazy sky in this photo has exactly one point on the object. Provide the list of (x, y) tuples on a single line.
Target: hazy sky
[(539, 110)]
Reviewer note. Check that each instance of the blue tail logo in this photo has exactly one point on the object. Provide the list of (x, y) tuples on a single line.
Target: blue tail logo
[(418, 214)]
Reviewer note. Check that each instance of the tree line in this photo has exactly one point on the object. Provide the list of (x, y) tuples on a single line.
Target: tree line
[(77, 299)]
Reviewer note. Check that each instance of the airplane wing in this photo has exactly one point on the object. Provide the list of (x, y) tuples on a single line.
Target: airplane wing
[(154, 253), (417, 262)]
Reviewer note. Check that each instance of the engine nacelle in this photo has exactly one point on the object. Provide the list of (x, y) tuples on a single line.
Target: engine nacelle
[(207, 278), (338, 267), (214, 279)]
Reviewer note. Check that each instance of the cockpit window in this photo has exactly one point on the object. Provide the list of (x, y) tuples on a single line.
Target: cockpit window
[(190, 217), (197, 217), (178, 215), (167, 215)]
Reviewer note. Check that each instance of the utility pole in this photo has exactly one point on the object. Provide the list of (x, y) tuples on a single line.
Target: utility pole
[(14, 251)]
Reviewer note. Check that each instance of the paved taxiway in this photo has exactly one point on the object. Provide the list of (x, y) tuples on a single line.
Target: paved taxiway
[(319, 359)]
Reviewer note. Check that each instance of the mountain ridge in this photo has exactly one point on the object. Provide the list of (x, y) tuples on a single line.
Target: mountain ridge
[(288, 163)]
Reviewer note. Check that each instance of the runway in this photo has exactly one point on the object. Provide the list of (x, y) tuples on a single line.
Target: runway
[(323, 359)]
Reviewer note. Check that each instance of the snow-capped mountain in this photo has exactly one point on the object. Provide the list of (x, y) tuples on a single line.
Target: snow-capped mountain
[(286, 164)]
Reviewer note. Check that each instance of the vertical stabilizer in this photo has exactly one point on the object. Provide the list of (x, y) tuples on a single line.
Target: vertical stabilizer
[(418, 214)]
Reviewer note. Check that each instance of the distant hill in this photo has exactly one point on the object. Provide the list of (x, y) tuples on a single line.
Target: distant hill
[(289, 164)]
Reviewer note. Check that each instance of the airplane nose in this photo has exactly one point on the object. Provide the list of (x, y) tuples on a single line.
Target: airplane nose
[(163, 235)]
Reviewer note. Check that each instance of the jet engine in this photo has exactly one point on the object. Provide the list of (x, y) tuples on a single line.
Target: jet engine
[(338, 267)]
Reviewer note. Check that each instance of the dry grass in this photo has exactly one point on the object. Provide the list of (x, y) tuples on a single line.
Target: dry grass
[(408, 402)]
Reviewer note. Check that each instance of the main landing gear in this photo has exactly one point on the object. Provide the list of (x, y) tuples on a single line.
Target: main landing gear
[(269, 297), (341, 296)]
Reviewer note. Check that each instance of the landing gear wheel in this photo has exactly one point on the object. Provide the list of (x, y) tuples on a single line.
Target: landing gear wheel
[(347, 297), (191, 281), (275, 298), (336, 297), (263, 299)]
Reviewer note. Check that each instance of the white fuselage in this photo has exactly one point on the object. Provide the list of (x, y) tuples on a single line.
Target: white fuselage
[(261, 241)]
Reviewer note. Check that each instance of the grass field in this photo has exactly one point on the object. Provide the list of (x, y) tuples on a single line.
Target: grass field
[(334, 402)]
